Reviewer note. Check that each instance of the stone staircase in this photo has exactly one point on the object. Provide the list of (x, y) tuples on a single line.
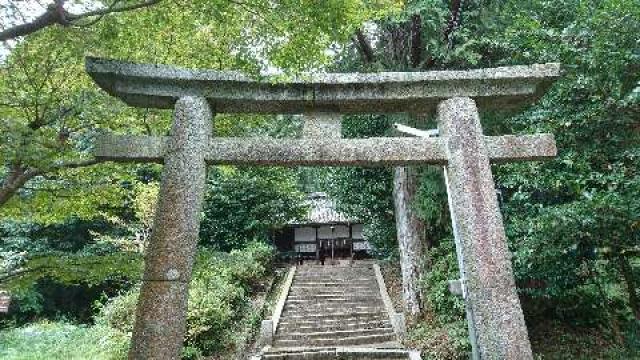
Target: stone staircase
[(335, 312)]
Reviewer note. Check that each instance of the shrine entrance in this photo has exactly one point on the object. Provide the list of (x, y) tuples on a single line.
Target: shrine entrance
[(496, 324)]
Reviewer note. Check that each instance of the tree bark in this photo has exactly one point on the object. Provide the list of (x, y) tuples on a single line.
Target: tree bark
[(627, 275), (18, 176), (365, 47), (410, 232), (416, 40)]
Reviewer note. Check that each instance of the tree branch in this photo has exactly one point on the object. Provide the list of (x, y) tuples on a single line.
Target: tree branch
[(365, 47), (50, 17), (56, 14), (19, 175), (113, 9)]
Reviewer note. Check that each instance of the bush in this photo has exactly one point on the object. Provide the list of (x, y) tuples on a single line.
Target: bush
[(443, 333), (119, 312), (58, 340), (218, 298)]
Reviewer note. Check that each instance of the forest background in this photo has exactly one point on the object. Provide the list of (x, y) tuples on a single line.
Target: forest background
[(73, 231)]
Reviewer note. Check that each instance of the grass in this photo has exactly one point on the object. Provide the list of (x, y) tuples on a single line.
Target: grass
[(60, 340)]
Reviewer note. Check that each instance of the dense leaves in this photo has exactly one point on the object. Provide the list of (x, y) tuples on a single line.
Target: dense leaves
[(572, 223), (219, 297), (245, 204)]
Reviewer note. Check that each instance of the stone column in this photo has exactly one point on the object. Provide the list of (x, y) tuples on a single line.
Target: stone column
[(322, 125), (161, 312), (494, 314)]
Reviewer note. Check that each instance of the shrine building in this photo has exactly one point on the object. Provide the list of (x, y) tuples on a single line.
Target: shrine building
[(323, 228)]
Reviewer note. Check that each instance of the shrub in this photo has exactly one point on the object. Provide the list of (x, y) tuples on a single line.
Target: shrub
[(218, 298), (119, 311), (443, 333)]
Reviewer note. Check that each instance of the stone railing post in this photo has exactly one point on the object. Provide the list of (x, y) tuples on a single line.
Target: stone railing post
[(496, 323), (162, 307)]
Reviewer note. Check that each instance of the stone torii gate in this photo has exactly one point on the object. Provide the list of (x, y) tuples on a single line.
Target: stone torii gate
[(494, 315)]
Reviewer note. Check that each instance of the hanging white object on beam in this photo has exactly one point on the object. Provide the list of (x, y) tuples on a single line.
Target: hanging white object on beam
[(415, 132)]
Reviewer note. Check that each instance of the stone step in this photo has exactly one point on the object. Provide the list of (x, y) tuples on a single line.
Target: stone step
[(346, 285), (323, 297), (334, 303), (320, 305), (359, 290), (309, 266), (335, 282), (332, 310), (312, 326), (336, 290), (326, 355), (369, 274), (309, 294), (344, 341), (359, 315), (332, 334), (350, 353), (333, 299), (364, 274)]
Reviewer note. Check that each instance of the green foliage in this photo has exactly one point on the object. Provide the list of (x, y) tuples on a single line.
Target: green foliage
[(50, 110), (442, 334), (119, 311), (572, 223), (365, 193), (219, 298), (73, 269), (557, 340), (244, 204), (446, 306), (48, 340), (45, 266)]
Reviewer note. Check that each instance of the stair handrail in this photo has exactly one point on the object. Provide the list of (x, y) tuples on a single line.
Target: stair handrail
[(397, 318), (269, 326), (277, 312)]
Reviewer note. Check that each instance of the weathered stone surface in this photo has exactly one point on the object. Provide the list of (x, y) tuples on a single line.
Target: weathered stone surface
[(397, 318), (160, 315), (322, 125), (496, 318), (159, 86), (265, 338), (455, 287), (344, 304), (343, 152)]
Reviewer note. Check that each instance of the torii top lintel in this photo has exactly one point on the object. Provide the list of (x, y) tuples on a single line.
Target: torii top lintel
[(159, 86)]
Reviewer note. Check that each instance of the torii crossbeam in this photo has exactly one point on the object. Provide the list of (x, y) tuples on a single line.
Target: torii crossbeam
[(494, 314)]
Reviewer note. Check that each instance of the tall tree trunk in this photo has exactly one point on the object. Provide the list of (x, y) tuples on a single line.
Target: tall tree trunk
[(627, 275), (410, 232), (410, 229)]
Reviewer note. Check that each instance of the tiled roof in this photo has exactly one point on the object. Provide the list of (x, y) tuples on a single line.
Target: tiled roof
[(322, 211)]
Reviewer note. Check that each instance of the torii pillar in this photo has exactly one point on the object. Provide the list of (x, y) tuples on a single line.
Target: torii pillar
[(497, 328), (161, 311)]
